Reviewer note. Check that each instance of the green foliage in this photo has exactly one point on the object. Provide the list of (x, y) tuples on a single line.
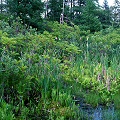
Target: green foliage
[(115, 14), (55, 10), (30, 15), (93, 99), (3, 16), (63, 32), (40, 73), (30, 68), (6, 111), (89, 19), (106, 17)]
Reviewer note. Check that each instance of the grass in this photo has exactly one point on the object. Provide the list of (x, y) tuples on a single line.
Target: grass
[(92, 99), (44, 76)]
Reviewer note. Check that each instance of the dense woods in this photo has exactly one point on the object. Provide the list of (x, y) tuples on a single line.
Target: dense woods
[(55, 54)]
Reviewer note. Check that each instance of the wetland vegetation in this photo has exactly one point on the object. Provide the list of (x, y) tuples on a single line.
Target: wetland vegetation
[(53, 70)]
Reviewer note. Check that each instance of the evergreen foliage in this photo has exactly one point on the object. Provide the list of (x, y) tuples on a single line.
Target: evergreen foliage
[(89, 19), (30, 11), (116, 13), (85, 13), (55, 9), (106, 19)]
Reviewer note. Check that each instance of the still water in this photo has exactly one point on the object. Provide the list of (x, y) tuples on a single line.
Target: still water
[(98, 113)]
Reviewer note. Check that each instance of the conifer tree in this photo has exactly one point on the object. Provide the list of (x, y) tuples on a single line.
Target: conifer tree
[(78, 9), (30, 11), (89, 18), (106, 19), (116, 13), (55, 9), (2, 6)]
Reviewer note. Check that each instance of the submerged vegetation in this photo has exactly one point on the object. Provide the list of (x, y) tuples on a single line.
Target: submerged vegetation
[(43, 75)]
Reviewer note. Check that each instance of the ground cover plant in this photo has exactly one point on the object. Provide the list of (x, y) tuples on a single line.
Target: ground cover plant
[(41, 75)]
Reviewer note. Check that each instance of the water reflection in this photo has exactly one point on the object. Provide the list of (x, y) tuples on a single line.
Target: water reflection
[(99, 113)]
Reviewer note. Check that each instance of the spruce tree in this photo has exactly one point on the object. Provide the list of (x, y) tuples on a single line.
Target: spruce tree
[(78, 8), (2, 6), (30, 11), (106, 19), (116, 13), (55, 9), (89, 18)]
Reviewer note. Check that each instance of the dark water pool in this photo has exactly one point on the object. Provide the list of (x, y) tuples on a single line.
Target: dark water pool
[(99, 113)]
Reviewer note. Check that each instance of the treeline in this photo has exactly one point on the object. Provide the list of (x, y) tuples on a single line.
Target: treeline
[(88, 14)]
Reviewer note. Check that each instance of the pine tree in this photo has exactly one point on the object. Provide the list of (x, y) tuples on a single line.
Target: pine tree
[(105, 5), (106, 19), (55, 9), (116, 13), (2, 6), (30, 11), (89, 18), (78, 9)]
